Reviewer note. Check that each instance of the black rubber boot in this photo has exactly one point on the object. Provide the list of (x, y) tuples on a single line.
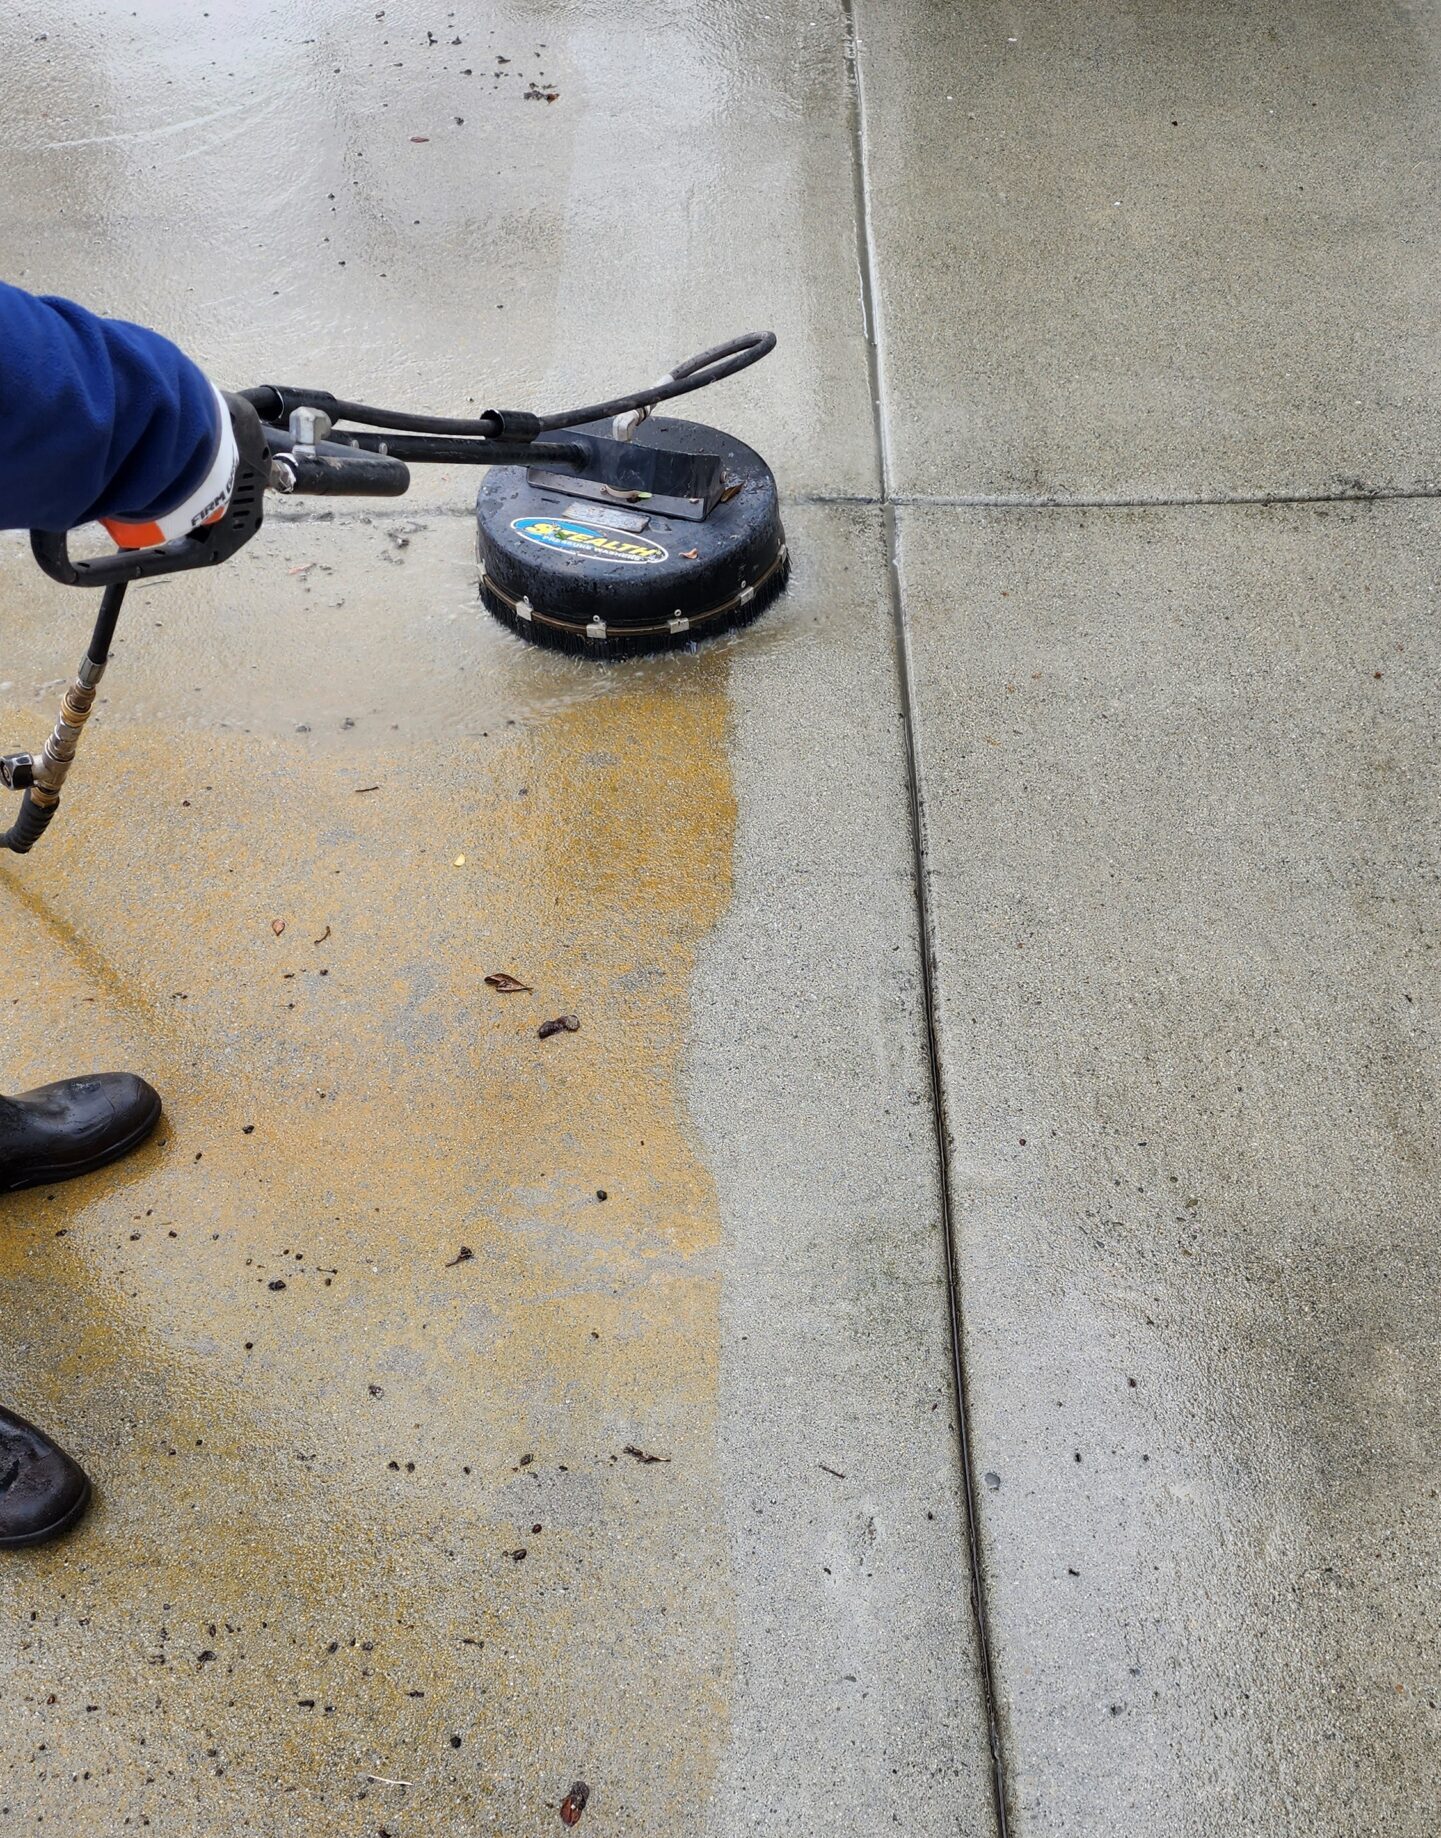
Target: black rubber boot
[(42, 1491), (73, 1128)]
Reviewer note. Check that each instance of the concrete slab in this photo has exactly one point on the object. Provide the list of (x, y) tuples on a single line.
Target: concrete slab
[(1155, 251), (472, 1414), (320, 1441), (368, 199), (1180, 793)]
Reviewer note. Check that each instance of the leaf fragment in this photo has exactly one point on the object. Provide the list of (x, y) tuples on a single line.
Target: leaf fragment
[(567, 1024)]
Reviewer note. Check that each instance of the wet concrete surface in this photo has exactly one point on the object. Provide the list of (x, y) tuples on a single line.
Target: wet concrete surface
[(369, 1551), (810, 1088), (1178, 837), (345, 197), (1182, 832), (1156, 251), (301, 1583)]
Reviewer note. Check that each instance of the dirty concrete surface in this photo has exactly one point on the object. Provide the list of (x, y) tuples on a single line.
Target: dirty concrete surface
[(1144, 1011)]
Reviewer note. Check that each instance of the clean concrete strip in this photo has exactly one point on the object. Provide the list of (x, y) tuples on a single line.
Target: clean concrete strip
[(1180, 798), (1135, 250), (857, 1700)]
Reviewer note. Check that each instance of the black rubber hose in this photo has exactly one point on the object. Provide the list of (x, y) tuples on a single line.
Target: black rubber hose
[(29, 826), (103, 636), (697, 372)]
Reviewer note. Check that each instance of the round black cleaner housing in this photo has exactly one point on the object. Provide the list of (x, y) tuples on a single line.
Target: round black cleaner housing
[(660, 539)]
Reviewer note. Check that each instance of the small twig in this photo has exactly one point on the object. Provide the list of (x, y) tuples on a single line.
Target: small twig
[(386, 1781), (835, 1471)]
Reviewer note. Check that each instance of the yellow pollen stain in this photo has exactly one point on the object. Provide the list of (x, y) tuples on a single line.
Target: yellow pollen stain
[(304, 1565)]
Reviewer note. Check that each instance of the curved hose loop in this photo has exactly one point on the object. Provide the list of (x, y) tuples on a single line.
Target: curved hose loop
[(29, 826), (696, 372)]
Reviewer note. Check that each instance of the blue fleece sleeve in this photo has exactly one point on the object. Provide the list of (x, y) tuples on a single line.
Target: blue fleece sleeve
[(98, 418)]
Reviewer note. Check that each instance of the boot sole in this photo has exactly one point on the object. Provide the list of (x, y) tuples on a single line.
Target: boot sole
[(55, 1529), (51, 1177)]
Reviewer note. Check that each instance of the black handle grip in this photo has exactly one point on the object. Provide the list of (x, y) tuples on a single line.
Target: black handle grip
[(335, 471), (52, 551)]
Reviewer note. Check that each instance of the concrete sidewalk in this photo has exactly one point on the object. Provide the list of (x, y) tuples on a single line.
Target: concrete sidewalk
[(1013, 958)]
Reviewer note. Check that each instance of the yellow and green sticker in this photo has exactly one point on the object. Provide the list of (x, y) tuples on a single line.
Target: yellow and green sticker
[(585, 539)]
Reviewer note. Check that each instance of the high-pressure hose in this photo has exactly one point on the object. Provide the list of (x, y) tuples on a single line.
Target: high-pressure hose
[(275, 401), (42, 779)]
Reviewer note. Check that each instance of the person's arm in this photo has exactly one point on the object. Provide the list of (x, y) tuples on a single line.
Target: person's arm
[(100, 419)]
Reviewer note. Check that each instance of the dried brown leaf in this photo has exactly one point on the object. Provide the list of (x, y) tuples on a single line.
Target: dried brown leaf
[(507, 984)]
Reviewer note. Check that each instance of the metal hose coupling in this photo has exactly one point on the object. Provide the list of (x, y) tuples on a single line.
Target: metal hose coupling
[(43, 778), (58, 755)]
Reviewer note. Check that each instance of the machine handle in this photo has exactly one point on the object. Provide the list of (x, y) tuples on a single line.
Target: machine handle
[(202, 548), (51, 549), (326, 468)]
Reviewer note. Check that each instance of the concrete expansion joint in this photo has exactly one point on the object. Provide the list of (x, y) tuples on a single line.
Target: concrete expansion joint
[(1061, 501), (1058, 501), (865, 252)]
